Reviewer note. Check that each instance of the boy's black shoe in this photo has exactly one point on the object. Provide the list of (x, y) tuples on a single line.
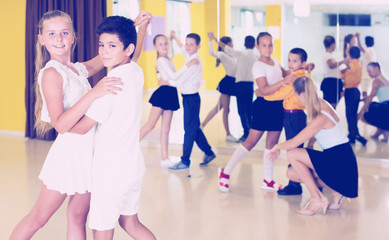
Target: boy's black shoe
[(292, 188)]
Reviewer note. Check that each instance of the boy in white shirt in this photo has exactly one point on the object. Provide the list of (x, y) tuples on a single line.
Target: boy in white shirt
[(118, 165), (189, 84)]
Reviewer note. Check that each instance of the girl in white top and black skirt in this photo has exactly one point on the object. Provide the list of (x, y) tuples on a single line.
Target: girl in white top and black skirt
[(332, 84), (165, 98), (226, 86), (334, 168), (266, 115)]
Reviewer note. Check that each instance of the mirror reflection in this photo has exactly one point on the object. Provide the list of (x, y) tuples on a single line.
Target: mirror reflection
[(327, 32)]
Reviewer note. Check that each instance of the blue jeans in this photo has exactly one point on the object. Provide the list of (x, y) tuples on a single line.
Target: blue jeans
[(244, 100), (193, 132), (351, 98)]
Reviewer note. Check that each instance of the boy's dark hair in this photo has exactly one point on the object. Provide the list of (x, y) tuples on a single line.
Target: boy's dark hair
[(301, 52), (249, 42), (374, 64), (369, 41), (328, 41), (263, 34), (195, 36), (355, 52), (121, 26)]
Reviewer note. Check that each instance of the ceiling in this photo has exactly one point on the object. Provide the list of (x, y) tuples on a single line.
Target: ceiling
[(343, 6)]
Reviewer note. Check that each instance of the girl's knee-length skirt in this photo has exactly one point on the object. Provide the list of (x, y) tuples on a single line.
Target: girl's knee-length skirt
[(267, 115), (337, 168), (165, 97), (227, 86), (378, 115)]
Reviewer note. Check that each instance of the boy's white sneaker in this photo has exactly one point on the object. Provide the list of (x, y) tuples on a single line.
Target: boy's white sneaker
[(231, 138), (167, 163)]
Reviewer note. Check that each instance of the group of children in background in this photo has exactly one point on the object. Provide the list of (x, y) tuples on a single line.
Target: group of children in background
[(96, 158)]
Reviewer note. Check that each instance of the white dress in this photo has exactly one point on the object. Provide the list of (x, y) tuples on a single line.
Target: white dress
[(68, 164)]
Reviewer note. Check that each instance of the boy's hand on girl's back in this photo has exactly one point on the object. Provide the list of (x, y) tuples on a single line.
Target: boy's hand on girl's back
[(107, 85)]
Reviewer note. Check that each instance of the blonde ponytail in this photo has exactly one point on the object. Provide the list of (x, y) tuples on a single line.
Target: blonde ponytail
[(42, 57), (312, 102)]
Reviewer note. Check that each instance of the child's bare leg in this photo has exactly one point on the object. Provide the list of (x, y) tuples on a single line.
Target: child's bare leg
[(212, 113), (155, 113), (165, 129), (103, 235), (377, 134), (47, 204), (77, 213), (225, 104), (135, 228)]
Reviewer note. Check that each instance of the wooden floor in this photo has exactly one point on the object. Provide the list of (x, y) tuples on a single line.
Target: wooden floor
[(176, 207)]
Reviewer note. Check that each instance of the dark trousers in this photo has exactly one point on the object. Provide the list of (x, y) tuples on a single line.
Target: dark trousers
[(244, 99), (294, 123), (351, 98), (193, 132)]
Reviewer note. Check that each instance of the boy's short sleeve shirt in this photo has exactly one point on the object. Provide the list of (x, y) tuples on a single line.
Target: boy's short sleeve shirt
[(118, 157)]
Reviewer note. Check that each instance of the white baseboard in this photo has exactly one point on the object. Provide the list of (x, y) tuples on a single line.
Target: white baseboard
[(9, 133)]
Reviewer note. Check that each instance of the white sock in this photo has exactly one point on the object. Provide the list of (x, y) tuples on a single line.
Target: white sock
[(236, 157), (267, 166)]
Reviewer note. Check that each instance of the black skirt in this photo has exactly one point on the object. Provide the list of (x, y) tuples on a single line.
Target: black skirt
[(267, 115), (378, 115), (165, 97), (227, 86), (337, 168), (332, 89)]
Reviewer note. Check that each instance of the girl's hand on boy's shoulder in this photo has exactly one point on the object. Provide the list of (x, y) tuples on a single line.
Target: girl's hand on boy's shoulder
[(107, 85)]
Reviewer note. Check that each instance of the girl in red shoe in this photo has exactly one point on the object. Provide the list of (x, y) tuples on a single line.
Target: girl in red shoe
[(267, 115)]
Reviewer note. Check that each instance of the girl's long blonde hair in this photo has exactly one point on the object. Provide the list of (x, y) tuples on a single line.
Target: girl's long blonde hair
[(42, 57), (311, 100)]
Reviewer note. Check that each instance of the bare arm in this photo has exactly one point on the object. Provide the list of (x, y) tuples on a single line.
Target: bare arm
[(83, 126), (306, 134), (334, 64), (178, 41), (63, 120), (264, 89), (357, 35), (369, 99), (94, 66), (142, 20)]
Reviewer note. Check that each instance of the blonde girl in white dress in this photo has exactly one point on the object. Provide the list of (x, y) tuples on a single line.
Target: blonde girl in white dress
[(63, 96)]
